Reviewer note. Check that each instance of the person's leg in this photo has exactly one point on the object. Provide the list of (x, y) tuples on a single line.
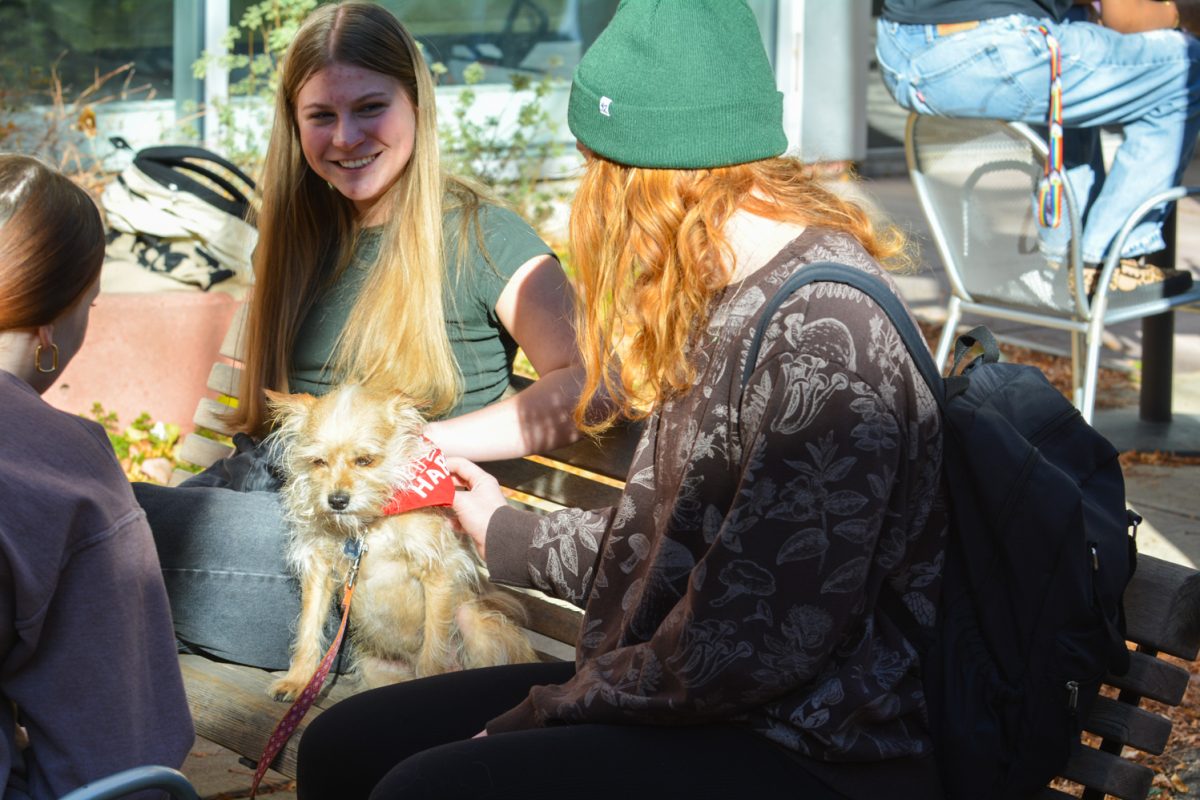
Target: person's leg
[(1147, 82), (347, 749), (986, 72), (603, 762), (1150, 84), (222, 557)]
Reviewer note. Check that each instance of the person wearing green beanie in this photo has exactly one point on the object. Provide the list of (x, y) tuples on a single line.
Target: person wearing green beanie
[(682, 84), (732, 641)]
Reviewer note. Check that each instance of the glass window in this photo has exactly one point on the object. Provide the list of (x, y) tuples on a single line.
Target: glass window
[(83, 38), (505, 36)]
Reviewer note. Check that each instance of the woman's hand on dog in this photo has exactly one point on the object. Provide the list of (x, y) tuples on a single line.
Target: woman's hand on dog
[(476, 501)]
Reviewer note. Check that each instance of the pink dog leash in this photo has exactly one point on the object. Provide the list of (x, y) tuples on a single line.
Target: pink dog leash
[(287, 726), (428, 484)]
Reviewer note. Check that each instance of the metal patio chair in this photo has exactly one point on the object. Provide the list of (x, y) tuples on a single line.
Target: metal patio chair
[(976, 181), (136, 779)]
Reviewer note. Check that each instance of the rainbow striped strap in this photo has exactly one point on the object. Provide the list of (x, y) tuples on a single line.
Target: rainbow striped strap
[(1050, 187)]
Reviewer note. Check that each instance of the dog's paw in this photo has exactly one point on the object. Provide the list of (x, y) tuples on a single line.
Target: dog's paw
[(286, 688)]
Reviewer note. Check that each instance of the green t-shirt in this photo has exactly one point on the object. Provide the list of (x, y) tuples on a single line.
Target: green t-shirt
[(482, 347)]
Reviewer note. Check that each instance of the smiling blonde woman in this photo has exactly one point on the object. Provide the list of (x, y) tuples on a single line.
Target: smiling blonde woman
[(373, 266)]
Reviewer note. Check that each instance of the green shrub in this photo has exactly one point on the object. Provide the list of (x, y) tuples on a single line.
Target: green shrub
[(143, 441)]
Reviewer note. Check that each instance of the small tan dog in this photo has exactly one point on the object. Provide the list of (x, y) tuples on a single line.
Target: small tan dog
[(420, 605)]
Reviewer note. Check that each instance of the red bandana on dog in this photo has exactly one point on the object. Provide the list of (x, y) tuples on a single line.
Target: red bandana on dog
[(430, 485)]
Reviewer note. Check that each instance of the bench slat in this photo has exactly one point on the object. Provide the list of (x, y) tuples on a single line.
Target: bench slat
[(1109, 773), (1162, 608), (547, 615), (225, 379), (610, 455), (233, 345), (230, 706), (1053, 794), (549, 649), (552, 484), (212, 416), (202, 451), (1152, 678), (1129, 725)]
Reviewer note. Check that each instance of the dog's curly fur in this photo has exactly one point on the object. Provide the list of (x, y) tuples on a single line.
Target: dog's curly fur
[(420, 605)]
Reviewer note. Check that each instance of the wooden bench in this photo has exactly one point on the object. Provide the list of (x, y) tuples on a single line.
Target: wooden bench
[(229, 702), (1162, 610), (231, 708)]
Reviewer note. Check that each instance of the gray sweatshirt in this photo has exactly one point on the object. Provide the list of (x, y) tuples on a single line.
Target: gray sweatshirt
[(87, 654)]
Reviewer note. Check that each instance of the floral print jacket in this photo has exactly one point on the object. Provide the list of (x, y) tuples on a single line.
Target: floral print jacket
[(737, 578)]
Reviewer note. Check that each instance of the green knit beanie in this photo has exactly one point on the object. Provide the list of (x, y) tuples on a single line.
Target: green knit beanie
[(683, 84)]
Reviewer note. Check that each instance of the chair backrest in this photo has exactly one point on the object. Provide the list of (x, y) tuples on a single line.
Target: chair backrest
[(977, 183), (137, 779)]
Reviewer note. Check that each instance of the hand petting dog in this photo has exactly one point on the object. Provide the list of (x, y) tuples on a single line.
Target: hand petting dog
[(476, 501)]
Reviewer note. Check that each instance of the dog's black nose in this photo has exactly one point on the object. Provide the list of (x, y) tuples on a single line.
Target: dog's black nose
[(339, 500)]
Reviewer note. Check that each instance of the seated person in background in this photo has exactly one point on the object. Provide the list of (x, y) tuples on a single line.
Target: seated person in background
[(89, 679), (734, 643), (375, 266), (1136, 16), (992, 59)]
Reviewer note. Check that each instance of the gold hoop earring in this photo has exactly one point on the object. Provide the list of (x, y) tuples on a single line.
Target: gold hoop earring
[(37, 359)]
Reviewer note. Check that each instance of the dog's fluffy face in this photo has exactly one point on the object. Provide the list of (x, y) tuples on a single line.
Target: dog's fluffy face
[(344, 453)]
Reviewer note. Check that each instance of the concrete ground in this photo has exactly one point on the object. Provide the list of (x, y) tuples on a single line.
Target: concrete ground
[(217, 774)]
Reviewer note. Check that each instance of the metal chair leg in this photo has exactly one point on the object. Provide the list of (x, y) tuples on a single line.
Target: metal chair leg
[(1091, 368), (1078, 359), (953, 315)]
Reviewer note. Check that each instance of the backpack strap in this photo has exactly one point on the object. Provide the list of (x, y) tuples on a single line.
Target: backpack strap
[(872, 287), (178, 155), (170, 166)]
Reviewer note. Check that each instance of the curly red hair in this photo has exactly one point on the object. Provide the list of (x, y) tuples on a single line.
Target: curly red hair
[(650, 254)]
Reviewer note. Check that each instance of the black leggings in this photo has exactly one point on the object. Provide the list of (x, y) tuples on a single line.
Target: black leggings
[(414, 740)]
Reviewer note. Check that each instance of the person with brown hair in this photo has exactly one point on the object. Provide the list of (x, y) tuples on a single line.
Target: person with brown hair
[(734, 640), (89, 680), (373, 266)]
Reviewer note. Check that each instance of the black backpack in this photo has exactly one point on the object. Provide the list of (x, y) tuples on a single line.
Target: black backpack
[(1037, 560)]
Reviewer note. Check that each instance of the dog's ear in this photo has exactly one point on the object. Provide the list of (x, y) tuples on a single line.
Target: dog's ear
[(284, 406), (404, 414)]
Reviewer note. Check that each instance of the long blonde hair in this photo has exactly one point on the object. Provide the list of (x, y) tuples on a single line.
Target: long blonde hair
[(395, 336), (650, 255), (51, 243)]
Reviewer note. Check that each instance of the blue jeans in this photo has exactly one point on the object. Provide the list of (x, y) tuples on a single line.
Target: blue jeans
[(1147, 82), (222, 555)]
